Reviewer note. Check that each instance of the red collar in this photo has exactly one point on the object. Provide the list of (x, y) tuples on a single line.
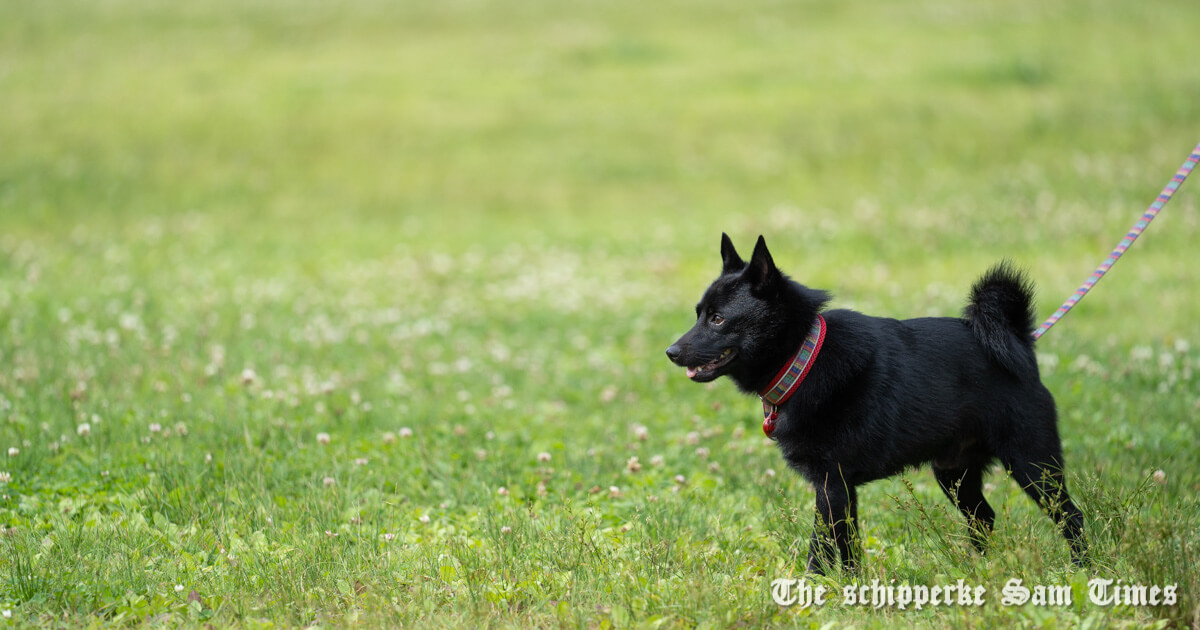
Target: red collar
[(789, 378)]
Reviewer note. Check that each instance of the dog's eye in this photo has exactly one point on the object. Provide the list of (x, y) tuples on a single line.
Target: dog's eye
[(715, 319)]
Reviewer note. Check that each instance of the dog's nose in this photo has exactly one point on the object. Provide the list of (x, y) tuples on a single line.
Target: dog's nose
[(673, 353)]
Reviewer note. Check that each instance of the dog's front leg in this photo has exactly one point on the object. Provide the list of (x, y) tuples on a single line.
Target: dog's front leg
[(833, 530)]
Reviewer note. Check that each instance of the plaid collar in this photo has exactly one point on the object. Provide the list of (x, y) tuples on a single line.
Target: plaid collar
[(792, 374)]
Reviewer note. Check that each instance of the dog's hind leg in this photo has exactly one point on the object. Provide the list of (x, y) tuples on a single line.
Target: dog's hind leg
[(1044, 483), (834, 529), (964, 487)]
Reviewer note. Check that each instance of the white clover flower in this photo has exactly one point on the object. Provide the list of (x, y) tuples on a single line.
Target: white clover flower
[(1083, 363), (633, 465), (389, 438), (13, 451), (424, 518), (84, 429), (323, 438), (405, 432), (1160, 477), (178, 588), (5, 477), (248, 376), (329, 481), (502, 491), (657, 461), (543, 457)]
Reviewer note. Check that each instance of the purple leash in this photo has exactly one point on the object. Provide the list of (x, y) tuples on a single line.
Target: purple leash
[(1134, 232)]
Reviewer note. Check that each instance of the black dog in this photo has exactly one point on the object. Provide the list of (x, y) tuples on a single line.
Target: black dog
[(851, 398)]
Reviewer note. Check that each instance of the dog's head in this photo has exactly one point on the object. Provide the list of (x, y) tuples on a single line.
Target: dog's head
[(738, 314)]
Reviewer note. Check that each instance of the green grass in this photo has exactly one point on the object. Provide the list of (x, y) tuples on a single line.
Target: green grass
[(227, 228)]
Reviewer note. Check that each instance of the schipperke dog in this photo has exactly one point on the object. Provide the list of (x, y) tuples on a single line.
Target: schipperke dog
[(851, 398)]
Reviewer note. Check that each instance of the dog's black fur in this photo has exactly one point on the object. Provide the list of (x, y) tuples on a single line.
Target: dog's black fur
[(883, 394)]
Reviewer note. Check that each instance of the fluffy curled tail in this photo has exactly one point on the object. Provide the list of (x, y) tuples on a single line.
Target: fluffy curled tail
[(1000, 314)]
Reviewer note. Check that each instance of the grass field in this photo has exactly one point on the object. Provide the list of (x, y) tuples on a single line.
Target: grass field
[(342, 314)]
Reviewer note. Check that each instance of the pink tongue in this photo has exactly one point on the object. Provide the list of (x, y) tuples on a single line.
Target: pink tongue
[(691, 372)]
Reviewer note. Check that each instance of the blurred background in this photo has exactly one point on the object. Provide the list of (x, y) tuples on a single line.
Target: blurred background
[(889, 151)]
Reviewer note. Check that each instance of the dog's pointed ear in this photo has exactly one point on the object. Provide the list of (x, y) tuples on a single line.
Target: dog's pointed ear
[(729, 256), (761, 273)]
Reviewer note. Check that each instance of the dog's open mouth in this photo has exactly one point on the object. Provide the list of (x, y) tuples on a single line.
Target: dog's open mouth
[(708, 371)]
